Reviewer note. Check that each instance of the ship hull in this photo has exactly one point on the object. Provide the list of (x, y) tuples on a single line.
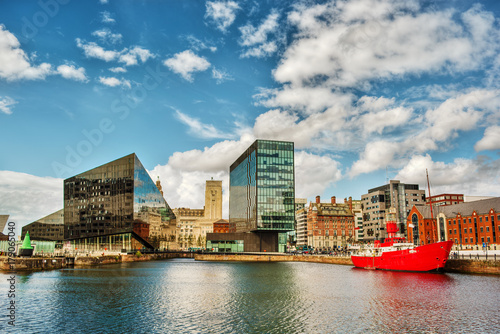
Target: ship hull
[(431, 257)]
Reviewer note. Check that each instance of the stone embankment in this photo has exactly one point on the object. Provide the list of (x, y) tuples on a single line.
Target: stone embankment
[(467, 266), (452, 266), (345, 260), (49, 263)]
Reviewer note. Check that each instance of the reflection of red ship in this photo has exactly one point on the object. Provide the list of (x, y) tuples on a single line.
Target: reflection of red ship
[(397, 254)]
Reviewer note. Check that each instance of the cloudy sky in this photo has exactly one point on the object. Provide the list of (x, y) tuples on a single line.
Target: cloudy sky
[(368, 90)]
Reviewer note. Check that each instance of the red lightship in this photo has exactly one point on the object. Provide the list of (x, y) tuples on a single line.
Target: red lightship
[(397, 254)]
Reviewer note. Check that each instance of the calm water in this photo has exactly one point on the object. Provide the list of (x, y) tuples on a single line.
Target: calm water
[(184, 296)]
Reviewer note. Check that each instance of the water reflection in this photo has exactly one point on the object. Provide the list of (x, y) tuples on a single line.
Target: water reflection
[(184, 296)]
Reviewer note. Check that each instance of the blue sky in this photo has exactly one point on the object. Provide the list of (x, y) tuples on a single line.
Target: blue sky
[(367, 90)]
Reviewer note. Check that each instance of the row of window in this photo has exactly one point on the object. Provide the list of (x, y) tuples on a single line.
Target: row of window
[(470, 230)]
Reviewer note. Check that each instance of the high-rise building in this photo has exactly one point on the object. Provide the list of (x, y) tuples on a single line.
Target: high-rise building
[(50, 227), (398, 195), (115, 206), (261, 199)]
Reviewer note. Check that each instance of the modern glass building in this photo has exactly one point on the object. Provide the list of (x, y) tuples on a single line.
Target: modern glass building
[(112, 207), (262, 196)]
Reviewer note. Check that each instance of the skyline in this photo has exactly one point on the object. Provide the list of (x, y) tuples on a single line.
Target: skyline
[(367, 90)]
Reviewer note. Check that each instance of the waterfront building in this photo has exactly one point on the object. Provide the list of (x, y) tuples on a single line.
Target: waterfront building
[(3, 222), (375, 203), (357, 211), (194, 224), (445, 199), (261, 199), (330, 225), (221, 226), (468, 224), (115, 206), (50, 228), (301, 218), (300, 203)]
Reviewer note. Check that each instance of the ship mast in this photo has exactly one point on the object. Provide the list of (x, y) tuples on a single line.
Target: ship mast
[(430, 204)]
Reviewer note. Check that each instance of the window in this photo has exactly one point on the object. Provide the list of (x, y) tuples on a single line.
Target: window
[(465, 240), (481, 229), (480, 219), (465, 230), (470, 230), (485, 218), (487, 228), (488, 239)]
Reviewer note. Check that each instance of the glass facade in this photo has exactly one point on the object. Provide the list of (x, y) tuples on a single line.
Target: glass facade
[(225, 246), (262, 188), (110, 200)]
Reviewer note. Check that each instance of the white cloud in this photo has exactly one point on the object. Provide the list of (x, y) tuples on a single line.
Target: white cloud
[(131, 57), (255, 40), (71, 72), (106, 17), (220, 76), (464, 176), (114, 82), (350, 44), (198, 128), (377, 155), (127, 56), (103, 2), (314, 173), (6, 104), (186, 63), (490, 140), (380, 120), (92, 50), (222, 13), (198, 45), (27, 197), (118, 70), (460, 113), (307, 100), (106, 36), (14, 63)]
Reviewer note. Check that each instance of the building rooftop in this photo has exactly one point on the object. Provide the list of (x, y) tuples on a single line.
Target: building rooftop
[(465, 209)]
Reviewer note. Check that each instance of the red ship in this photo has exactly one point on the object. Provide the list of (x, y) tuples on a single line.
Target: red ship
[(397, 254)]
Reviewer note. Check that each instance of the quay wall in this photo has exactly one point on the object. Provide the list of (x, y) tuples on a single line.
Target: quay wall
[(467, 266), (274, 258), (452, 266), (50, 263), (473, 266)]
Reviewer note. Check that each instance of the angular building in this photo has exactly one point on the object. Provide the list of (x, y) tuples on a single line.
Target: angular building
[(113, 207), (261, 199), (50, 228)]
